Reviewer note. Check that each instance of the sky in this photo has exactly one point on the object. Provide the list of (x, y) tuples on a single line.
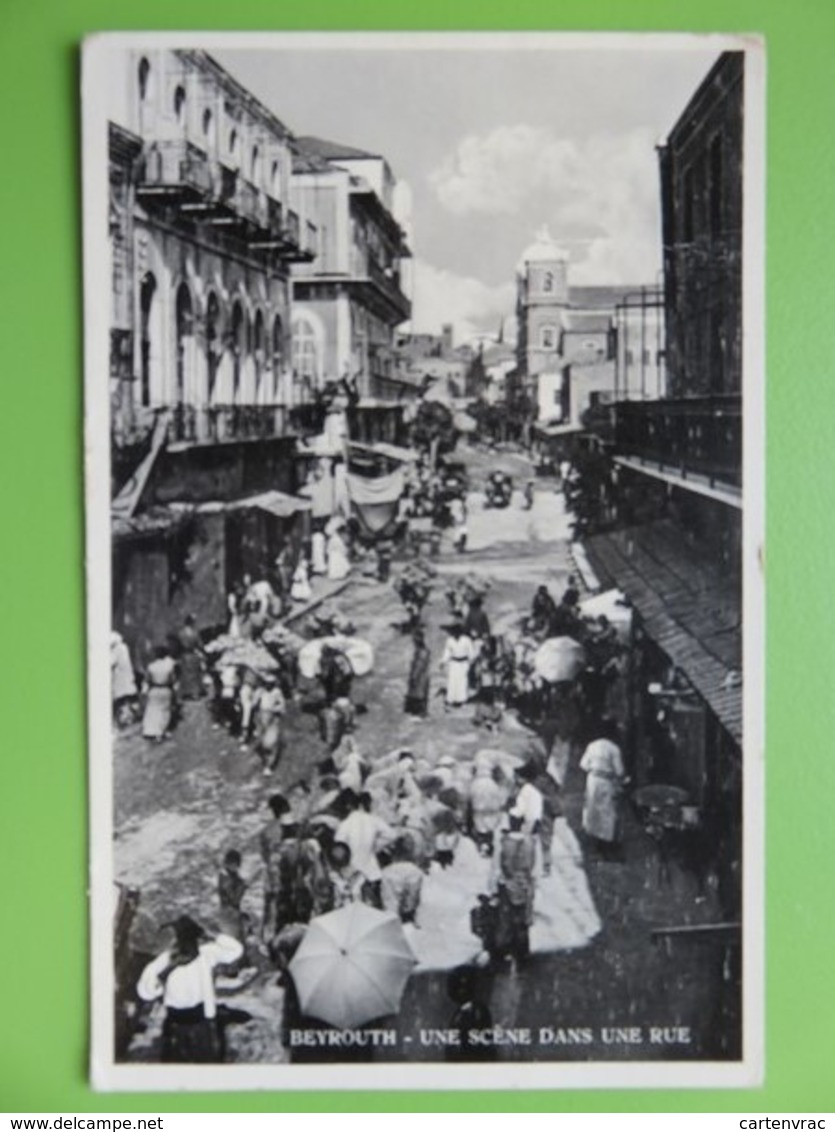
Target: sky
[(493, 145)]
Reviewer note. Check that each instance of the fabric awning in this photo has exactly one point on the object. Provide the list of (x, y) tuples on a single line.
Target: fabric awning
[(275, 503), (392, 451)]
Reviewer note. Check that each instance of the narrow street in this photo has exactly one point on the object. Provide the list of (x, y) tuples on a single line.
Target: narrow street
[(181, 805)]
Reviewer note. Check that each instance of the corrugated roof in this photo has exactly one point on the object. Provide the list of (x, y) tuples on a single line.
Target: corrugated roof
[(689, 605), (587, 322), (331, 150)]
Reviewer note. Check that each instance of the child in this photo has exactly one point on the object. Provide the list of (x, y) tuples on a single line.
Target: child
[(231, 887)]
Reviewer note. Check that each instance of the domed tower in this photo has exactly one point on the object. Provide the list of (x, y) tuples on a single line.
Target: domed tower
[(541, 303)]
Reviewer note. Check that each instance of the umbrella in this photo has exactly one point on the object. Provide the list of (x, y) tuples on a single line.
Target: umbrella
[(352, 966), (222, 643), (463, 422), (359, 652), (559, 658)]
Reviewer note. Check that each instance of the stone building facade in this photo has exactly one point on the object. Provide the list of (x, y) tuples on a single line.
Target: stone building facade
[(701, 201)]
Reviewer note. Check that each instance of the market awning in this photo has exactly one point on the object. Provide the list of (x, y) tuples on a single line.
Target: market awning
[(688, 606), (556, 429), (392, 451), (275, 502)]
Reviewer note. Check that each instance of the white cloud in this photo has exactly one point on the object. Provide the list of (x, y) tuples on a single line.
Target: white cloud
[(440, 296), (599, 194)]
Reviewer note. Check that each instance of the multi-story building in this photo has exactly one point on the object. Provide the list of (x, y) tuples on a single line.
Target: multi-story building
[(348, 300), (660, 503), (205, 407)]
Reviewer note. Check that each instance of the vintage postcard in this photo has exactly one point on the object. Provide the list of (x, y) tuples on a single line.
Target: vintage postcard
[(425, 470)]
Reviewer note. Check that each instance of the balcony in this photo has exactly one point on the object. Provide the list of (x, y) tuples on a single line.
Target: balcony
[(387, 283), (216, 424), (174, 171), (697, 439)]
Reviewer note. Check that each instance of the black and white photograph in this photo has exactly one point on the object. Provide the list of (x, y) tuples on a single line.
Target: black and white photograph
[(424, 483)]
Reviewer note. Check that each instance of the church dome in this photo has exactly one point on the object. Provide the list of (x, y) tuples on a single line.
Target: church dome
[(544, 249)]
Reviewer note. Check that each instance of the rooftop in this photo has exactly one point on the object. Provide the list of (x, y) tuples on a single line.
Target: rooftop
[(333, 151)]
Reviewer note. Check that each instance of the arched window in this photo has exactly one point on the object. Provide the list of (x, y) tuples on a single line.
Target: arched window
[(305, 351), (185, 328), (254, 165), (213, 343), (258, 353), (207, 122), (275, 180), (233, 142), (238, 345), (144, 75), (278, 353), (548, 281), (147, 290), (548, 338), (179, 102)]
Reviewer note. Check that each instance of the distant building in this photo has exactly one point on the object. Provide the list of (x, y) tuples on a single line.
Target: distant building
[(348, 300), (579, 346)]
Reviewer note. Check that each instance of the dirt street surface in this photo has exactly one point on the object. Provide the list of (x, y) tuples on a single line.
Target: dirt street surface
[(180, 805)]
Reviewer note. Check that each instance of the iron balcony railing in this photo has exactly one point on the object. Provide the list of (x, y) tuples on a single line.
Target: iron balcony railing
[(175, 166), (698, 436), (389, 283), (213, 424)]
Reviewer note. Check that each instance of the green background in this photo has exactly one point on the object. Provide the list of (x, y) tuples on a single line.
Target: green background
[(43, 813)]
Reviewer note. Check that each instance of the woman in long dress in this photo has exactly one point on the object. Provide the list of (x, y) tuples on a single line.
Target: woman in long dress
[(161, 680), (338, 565), (605, 777), (122, 681), (318, 553), (458, 656), (300, 589)]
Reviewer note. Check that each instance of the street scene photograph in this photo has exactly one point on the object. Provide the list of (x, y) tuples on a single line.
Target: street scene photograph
[(423, 585)]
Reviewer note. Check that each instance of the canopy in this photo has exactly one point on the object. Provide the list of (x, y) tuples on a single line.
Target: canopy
[(274, 502), (377, 489), (392, 451)]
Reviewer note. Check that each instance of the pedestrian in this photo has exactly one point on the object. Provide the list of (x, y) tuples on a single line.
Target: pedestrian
[(418, 683), (346, 881), (191, 664), (300, 590), (182, 976), (477, 623), (318, 553), (605, 779), (486, 805), (338, 565), (515, 887), (383, 561), (271, 838), (249, 695), (123, 690), (365, 833), (458, 656), (543, 608), (471, 1016), (228, 707), (401, 883), (160, 702), (231, 888), (270, 726)]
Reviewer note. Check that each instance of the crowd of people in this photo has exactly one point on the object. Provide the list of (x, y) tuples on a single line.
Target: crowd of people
[(367, 826)]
